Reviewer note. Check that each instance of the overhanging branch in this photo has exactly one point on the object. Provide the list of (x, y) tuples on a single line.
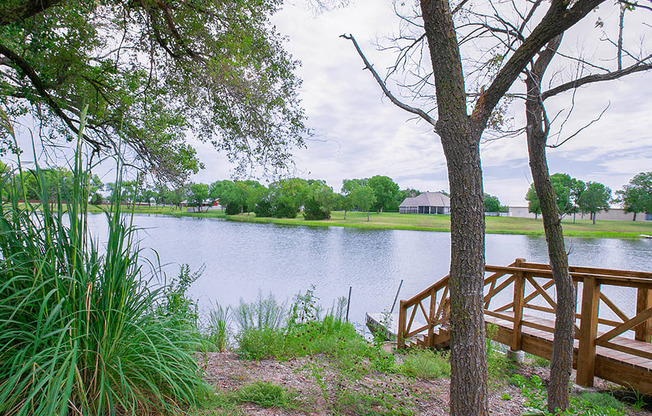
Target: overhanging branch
[(10, 12), (36, 81), (386, 91)]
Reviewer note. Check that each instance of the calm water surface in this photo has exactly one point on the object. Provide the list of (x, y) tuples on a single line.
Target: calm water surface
[(244, 259)]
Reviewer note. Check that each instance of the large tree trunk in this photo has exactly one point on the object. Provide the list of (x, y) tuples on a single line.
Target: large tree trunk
[(468, 391), (468, 359), (561, 362)]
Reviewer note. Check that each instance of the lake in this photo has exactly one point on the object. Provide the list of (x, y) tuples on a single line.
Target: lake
[(243, 259)]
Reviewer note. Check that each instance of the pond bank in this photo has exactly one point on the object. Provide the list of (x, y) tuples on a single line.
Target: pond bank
[(437, 223)]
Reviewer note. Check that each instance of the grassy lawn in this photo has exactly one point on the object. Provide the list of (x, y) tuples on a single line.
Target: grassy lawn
[(396, 221), (495, 225)]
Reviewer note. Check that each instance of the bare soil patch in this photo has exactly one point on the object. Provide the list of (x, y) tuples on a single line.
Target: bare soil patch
[(325, 392)]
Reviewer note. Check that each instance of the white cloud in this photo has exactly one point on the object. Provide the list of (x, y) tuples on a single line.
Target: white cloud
[(360, 134)]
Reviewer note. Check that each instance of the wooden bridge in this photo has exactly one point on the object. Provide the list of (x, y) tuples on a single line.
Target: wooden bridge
[(609, 343)]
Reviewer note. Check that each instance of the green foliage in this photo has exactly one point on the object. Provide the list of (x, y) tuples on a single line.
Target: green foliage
[(79, 330), (363, 198), (385, 191), (534, 206), (594, 198), (197, 194), (373, 402), (586, 404), (261, 393), (491, 203), (176, 303), (636, 196), (265, 394), (424, 363), (219, 319), (264, 209), (157, 72), (319, 201), (499, 367)]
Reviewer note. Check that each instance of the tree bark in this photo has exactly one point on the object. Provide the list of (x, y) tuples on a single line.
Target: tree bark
[(561, 362), (468, 394)]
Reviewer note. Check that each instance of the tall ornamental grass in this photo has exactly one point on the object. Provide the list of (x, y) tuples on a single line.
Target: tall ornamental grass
[(79, 331)]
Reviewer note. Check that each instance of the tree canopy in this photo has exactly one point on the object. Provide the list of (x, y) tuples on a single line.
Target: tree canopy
[(594, 199), (153, 73), (636, 196)]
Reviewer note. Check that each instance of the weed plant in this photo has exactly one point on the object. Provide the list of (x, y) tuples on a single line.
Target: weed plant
[(602, 404), (262, 393), (79, 331), (424, 363), (219, 319)]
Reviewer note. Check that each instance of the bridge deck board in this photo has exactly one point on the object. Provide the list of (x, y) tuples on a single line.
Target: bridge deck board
[(620, 356)]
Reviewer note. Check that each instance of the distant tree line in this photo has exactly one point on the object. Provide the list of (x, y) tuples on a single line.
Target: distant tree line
[(286, 198), (575, 196)]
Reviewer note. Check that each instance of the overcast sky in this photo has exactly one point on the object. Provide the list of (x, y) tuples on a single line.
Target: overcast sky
[(358, 133)]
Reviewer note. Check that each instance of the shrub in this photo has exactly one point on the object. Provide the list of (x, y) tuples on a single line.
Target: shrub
[(79, 332), (264, 209), (313, 210)]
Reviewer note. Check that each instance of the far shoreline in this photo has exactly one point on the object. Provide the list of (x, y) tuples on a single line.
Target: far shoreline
[(423, 222)]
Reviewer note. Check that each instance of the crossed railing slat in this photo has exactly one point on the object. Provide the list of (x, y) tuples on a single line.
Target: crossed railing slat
[(532, 282)]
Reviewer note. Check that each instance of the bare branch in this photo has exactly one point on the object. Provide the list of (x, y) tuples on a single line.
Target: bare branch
[(638, 67), (386, 91), (556, 145), (557, 19)]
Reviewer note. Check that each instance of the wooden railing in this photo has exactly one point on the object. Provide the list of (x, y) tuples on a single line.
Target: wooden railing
[(531, 304)]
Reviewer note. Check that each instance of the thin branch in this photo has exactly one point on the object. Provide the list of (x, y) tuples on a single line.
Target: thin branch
[(554, 146), (630, 4), (638, 67), (386, 91)]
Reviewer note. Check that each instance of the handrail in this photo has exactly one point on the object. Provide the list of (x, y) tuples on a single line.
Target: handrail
[(520, 275)]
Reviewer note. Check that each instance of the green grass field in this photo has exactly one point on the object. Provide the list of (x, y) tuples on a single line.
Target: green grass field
[(395, 221)]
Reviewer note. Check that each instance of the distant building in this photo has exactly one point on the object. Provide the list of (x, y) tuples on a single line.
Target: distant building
[(614, 214), (426, 203)]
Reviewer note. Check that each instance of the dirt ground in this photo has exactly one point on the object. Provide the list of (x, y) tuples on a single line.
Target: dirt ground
[(224, 371)]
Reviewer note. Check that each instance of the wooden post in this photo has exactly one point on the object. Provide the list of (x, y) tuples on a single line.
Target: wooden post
[(431, 318), (643, 301), (588, 332), (519, 301), (400, 336)]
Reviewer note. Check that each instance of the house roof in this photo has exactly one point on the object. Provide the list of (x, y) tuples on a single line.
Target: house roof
[(427, 199)]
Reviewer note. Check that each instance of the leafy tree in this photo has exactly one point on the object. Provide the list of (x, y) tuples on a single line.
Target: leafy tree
[(153, 72), (385, 190), (125, 192), (594, 199), (636, 196), (287, 196), (534, 206), (198, 193), (319, 201), (491, 203), (174, 196), (363, 198), (348, 185)]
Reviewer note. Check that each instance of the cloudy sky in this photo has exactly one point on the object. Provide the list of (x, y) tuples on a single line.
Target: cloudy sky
[(358, 133)]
